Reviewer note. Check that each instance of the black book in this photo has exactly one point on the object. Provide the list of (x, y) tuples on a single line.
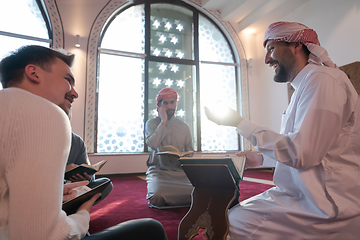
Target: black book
[(81, 169), (71, 206)]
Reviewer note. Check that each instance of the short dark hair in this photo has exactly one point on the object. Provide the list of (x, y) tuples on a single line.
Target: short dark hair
[(12, 67)]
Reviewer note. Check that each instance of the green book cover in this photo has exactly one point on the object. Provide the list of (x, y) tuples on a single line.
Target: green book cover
[(236, 164)]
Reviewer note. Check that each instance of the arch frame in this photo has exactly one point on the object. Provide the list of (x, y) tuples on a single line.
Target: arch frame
[(55, 23), (92, 55)]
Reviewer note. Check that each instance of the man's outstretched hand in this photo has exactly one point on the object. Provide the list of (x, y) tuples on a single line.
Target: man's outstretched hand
[(253, 159), (232, 117)]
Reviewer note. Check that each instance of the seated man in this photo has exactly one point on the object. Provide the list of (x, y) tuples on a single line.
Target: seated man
[(35, 139), (167, 183), (317, 151), (78, 154)]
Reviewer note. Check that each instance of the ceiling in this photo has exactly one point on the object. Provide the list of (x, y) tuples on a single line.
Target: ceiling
[(252, 15)]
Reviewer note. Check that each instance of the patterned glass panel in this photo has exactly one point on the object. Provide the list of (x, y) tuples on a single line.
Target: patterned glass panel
[(9, 44), (171, 31), (22, 17), (126, 31), (212, 43), (181, 78), (31, 24), (120, 104), (217, 84)]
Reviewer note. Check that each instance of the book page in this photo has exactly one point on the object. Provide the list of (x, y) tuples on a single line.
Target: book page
[(239, 162), (169, 152), (81, 190), (84, 194), (170, 148), (214, 156), (183, 154), (99, 165)]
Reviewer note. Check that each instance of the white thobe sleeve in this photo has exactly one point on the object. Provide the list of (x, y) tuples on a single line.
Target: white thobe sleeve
[(321, 112), (154, 133)]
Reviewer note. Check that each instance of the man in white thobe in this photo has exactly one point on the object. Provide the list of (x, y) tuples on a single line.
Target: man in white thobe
[(317, 152)]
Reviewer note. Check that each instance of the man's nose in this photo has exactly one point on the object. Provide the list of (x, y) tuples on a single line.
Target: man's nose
[(74, 93), (267, 58)]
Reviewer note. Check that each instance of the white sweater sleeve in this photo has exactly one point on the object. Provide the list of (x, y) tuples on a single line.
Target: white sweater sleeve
[(36, 151)]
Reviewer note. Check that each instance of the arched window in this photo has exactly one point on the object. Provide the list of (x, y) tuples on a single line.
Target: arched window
[(22, 22), (148, 45)]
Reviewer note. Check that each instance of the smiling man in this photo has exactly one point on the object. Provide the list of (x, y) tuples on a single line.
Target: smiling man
[(317, 151), (34, 145), (167, 183), (78, 153), (70, 97)]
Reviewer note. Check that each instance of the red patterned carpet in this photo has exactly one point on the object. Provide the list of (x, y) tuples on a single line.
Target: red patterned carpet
[(127, 201)]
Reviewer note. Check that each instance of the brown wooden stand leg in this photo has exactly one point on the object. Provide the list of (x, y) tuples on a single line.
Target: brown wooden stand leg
[(207, 217)]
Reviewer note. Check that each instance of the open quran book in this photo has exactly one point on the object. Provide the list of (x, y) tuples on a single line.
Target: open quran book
[(173, 151), (235, 164)]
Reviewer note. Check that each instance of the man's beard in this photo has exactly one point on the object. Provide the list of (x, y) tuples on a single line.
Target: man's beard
[(170, 113), (286, 64), (282, 76)]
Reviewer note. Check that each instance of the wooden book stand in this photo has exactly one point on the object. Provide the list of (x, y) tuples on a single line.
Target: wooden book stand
[(214, 191)]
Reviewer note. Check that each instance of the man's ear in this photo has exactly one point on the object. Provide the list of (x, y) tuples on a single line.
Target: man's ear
[(32, 71), (298, 46)]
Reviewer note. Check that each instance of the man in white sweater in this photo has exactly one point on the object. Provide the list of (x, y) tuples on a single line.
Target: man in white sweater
[(35, 138)]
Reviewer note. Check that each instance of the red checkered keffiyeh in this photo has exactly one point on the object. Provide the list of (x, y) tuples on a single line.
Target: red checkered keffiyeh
[(297, 32), (165, 93)]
